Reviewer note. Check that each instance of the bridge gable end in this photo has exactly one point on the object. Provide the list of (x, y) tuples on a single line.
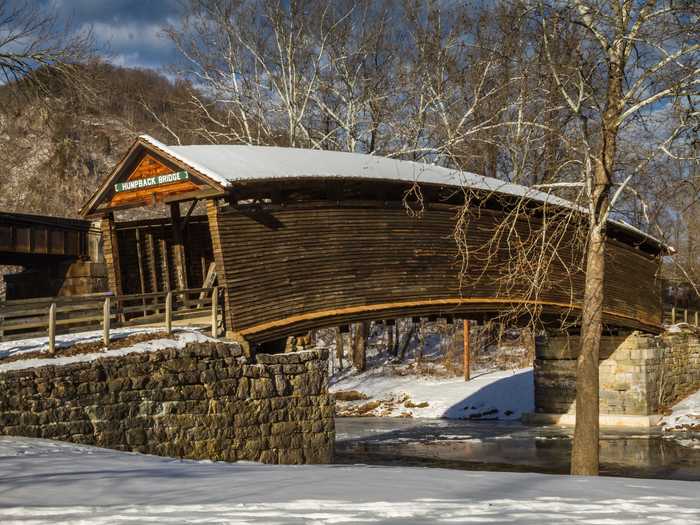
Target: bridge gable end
[(146, 175)]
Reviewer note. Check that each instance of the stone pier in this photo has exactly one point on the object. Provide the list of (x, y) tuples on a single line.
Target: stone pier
[(640, 376)]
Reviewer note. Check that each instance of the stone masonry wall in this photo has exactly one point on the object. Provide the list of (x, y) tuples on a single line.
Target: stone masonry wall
[(205, 401), (639, 375)]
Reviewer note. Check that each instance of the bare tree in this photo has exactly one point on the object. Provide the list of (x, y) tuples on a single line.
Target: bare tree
[(630, 59), (31, 38), (582, 98)]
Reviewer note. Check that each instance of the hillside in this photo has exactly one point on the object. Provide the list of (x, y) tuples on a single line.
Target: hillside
[(55, 147)]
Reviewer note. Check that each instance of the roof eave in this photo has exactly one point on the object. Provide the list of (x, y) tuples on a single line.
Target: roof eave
[(147, 143)]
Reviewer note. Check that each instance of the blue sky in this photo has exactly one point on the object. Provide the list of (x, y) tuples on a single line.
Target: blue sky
[(127, 30)]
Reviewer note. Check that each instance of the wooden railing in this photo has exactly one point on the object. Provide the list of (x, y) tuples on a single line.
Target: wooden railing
[(47, 316), (676, 315)]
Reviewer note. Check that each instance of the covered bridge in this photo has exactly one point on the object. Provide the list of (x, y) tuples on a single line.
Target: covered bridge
[(304, 239)]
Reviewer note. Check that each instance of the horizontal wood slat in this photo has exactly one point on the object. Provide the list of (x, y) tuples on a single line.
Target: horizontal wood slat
[(291, 269)]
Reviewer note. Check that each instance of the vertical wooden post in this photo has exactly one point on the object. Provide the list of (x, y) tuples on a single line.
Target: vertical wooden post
[(215, 311), (467, 364), (685, 315), (673, 315), (218, 248), (389, 339), (52, 329), (696, 319), (360, 346), (151, 255), (165, 254), (418, 352), (339, 347), (142, 277), (169, 312), (105, 321), (179, 247), (111, 254)]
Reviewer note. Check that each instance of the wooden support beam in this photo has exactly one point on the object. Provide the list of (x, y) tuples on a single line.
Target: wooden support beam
[(165, 261), (105, 321), (467, 360), (139, 262), (152, 268), (193, 195), (52, 329), (186, 220), (111, 254), (226, 309), (151, 256), (169, 313), (180, 258), (215, 311)]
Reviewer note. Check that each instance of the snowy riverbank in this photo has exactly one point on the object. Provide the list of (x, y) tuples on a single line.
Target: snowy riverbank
[(500, 394), (52, 482)]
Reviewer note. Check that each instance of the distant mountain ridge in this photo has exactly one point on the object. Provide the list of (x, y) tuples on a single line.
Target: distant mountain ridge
[(55, 146)]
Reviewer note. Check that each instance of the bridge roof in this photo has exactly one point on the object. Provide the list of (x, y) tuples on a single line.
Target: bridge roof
[(230, 164)]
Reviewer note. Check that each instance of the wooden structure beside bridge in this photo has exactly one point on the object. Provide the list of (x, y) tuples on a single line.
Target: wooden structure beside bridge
[(27, 240), (303, 239), (59, 256)]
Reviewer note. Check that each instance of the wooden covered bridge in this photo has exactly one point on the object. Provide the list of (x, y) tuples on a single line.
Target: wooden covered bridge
[(304, 239)]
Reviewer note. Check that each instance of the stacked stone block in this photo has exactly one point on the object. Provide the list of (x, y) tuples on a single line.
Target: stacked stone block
[(639, 375), (206, 401)]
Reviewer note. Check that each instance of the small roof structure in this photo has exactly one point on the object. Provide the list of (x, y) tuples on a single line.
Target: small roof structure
[(221, 167)]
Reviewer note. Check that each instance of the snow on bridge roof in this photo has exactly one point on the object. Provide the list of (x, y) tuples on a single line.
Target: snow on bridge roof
[(227, 164)]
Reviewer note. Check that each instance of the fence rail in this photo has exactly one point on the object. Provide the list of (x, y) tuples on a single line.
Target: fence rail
[(48, 316), (676, 315)]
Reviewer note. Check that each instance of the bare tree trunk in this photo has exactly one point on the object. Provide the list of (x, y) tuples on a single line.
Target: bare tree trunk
[(397, 339), (585, 458), (421, 342), (339, 347), (585, 453), (406, 342), (360, 347), (390, 339)]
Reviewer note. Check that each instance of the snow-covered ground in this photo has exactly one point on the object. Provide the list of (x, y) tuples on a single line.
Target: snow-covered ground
[(685, 415), (52, 482), (180, 337), (488, 395), (684, 421)]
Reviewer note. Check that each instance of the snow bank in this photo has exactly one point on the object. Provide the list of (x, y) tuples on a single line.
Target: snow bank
[(49, 482), (489, 395), (41, 344), (685, 416), (179, 339)]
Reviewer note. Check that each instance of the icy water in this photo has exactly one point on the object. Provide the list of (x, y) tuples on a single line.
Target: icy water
[(509, 446)]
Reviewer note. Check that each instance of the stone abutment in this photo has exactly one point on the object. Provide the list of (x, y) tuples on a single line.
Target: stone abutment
[(641, 375), (206, 401)]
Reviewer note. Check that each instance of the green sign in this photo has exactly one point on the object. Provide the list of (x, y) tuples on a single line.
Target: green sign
[(150, 182)]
